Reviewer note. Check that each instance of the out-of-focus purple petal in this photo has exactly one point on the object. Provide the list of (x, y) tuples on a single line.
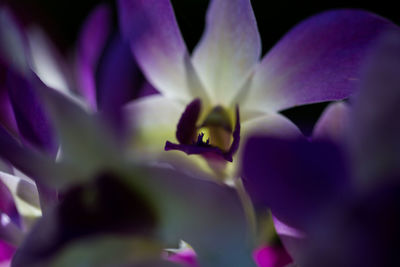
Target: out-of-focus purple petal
[(7, 118), (318, 60), (13, 43), (7, 204), (375, 125), (363, 232), (33, 123), (295, 178), (91, 42), (6, 253), (157, 44), (271, 256), (229, 48), (334, 123), (118, 78), (118, 81)]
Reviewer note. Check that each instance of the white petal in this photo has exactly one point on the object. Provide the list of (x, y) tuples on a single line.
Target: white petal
[(230, 47)]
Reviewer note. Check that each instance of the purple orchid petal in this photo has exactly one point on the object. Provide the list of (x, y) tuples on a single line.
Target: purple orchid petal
[(147, 90), (13, 43), (362, 232), (186, 129), (6, 253), (229, 48), (7, 204), (295, 178), (118, 81), (32, 121), (271, 256), (7, 118), (375, 126), (334, 123), (319, 60), (157, 44), (91, 42)]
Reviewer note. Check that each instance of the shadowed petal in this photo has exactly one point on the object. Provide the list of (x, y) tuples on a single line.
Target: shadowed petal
[(375, 125), (318, 60), (157, 44), (32, 121), (13, 43), (219, 238), (229, 48), (91, 42), (118, 81), (334, 123), (295, 178), (7, 118)]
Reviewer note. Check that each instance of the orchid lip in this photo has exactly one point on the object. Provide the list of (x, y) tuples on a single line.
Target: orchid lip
[(187, 129)]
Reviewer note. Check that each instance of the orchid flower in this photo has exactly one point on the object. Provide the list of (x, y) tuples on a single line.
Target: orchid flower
[(223, 88), (25, 53), (336, 198)]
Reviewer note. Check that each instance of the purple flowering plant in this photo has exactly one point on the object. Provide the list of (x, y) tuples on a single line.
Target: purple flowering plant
[(96, 152), (334, 197)]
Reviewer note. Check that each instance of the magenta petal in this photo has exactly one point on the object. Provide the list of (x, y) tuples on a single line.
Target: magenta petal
[(295, 178), (318, 60), (6, 252), (271, 256), (186, 257), (91, 42)]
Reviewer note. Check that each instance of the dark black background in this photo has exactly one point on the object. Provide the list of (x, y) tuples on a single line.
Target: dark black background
[(62, 20)]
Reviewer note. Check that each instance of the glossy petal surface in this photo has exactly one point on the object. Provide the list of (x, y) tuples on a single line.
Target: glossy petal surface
[(318, 60), (228, 50)]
